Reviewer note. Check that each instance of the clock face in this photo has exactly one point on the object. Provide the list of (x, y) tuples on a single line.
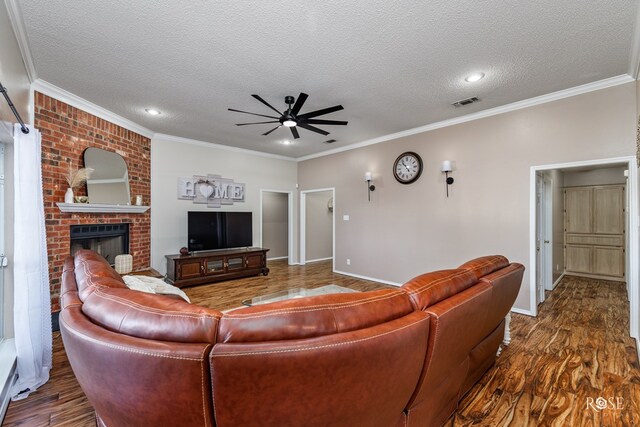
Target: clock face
[(407, 167)]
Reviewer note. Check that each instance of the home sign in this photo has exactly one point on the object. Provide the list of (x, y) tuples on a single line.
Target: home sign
[(212, 190)]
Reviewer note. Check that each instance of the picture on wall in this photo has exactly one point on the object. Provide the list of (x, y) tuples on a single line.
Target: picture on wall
[(212, 190), (203, 189), (186, 188)]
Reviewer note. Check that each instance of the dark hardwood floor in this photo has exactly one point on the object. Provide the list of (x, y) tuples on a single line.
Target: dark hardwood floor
[(577, 348), (576, 351)]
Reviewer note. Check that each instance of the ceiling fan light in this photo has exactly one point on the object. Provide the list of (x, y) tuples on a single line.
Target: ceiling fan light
[(289, 123)]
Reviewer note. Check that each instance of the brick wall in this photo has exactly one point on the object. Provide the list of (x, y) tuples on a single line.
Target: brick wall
[(66, 132)]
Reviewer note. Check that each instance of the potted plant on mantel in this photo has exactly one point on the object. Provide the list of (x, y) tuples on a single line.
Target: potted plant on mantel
[(75, 179)]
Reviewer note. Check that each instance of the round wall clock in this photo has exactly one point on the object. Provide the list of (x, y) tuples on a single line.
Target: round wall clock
[(407, 167)]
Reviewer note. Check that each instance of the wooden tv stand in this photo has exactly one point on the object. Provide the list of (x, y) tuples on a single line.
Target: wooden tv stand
[(216, 266)]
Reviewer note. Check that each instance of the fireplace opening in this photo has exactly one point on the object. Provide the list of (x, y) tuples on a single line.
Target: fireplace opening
[(108, 240)]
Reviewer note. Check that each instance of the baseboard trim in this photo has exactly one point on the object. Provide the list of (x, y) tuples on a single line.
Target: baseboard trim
[(318, 260), (521, 311), (373, 279), (277, 258), (553, 286), (8, 374)]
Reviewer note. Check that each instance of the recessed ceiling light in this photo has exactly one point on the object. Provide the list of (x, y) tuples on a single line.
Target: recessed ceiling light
[(152, 111), (287, 142), (474, 77)]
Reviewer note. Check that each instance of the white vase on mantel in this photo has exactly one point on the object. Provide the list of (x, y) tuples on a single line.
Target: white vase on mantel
[(68, 196)]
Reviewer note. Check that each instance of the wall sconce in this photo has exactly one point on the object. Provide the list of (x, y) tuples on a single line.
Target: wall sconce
[(370, 186), (446, 168)]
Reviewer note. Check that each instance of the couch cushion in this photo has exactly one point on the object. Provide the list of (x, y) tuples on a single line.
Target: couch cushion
[(364, 377), (155, 317), (505, 284), (93, 271), (431, 288), (313, 316), (485, 265)]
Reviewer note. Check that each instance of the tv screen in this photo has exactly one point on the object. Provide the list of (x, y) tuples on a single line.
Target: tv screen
[(218, 230)]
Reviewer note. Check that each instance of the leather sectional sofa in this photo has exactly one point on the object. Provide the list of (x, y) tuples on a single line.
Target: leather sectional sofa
[(393, 357)]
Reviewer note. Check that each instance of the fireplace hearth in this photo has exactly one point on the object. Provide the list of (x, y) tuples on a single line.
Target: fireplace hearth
[(109, 240)]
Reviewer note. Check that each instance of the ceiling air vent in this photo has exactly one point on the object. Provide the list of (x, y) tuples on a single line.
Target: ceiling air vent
[(329, 141), (465, 102)]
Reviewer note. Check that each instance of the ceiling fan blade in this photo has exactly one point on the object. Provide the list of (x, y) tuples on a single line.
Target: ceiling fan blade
[(325, 122), (257, 123), (320, 112), (312, 128), (267, 133), (299, 102), (255, 114), (266, 103), (294, 132)]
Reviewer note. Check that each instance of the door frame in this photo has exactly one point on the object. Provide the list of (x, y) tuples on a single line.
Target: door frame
[(632, 230), (289, 221), (303, 225)]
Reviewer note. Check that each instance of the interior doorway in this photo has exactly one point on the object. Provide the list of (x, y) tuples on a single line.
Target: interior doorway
[(538, 214), (276, 224), (317, 225)]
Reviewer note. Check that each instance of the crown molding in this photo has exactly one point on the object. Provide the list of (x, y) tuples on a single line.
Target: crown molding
[(60, 94), (17, 23), (543, 99), (205, 144), (634, 57)]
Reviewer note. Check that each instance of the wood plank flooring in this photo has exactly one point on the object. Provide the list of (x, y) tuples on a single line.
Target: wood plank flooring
[(577, 348)]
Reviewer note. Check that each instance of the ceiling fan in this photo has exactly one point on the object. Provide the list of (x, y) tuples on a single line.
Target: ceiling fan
[(291, 119)]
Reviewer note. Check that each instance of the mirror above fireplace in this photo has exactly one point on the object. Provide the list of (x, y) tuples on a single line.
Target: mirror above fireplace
[(109, 181)]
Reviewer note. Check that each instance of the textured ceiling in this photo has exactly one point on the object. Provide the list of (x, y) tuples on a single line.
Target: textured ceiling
[(393, 65)]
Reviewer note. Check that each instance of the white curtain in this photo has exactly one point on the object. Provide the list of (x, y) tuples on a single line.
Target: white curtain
[(32, 303)]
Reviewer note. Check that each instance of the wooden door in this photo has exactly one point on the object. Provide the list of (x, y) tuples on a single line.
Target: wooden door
[(578, 258), (189, 269), (577, 205), (608, 261), (608, 210), (254, 260)]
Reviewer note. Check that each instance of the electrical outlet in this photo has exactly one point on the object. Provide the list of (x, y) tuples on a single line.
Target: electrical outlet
[(345, 217), (348, 261)]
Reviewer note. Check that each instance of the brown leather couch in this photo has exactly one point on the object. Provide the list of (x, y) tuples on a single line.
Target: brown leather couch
[(394, 357)]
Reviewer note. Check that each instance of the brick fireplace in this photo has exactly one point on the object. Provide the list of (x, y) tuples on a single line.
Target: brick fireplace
[(66, 132)]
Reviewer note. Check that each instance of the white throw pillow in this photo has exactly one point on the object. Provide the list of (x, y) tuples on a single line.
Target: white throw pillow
[(153, 285)]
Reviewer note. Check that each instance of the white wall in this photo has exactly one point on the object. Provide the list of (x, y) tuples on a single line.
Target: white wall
[(409, 229), (318, 226), (171, 159)]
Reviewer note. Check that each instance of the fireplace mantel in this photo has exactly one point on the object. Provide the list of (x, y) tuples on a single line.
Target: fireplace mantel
[(100, 208)]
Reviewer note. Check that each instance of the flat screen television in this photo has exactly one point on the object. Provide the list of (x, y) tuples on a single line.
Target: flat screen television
[(208, 231)]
